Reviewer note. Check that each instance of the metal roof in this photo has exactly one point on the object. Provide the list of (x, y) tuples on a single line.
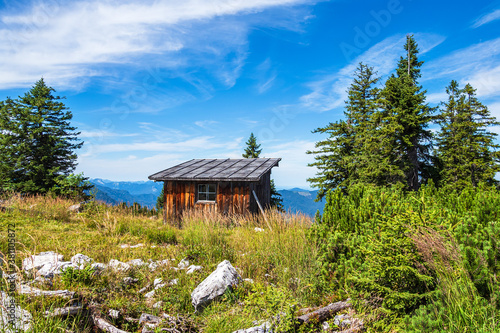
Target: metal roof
[(244, 169)]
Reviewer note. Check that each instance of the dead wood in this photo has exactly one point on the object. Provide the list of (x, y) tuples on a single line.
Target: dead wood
[(323, 314)]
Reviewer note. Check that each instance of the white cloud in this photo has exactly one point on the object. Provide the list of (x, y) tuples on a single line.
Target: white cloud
[(103, 134), (476, 64), (83, 39), (205, 124), (330, 91), (487, 18)]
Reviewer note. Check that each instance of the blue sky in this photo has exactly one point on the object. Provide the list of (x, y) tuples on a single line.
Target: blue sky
[(154, 83)]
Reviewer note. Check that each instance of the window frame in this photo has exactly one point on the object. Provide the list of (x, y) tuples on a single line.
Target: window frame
[(207, 193)]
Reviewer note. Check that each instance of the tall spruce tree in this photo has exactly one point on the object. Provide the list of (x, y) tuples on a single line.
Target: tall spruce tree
[(342, 159), (466, 149), (252, 151), (404, 121), (38, 143)]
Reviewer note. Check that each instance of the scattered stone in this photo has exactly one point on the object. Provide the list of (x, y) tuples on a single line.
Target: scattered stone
[(215, 285), (136, 262), (128, 280), (143, 290), (325, 326), (264, 328), (157, 305), (248, 280), (173, 282), (127, 246), (118, 265), (115, 314), (50, 269), (13, 318), (150, 294), (147, 318), (258, 229), (75, 208), (191, 269), (99, 266), (81, 260), (41, 259), (157, 282), (24, 289), (342, 321), (183, 264)]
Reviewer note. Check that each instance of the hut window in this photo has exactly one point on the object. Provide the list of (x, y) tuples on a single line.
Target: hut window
[(206, 192)]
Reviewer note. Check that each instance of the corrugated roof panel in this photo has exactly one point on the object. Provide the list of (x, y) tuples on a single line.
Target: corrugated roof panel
[(218, 170)]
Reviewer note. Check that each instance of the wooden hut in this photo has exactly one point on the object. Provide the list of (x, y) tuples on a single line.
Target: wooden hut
[(228, 186)]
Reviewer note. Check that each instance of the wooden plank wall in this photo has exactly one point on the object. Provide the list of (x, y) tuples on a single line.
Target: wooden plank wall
[(232, 198)]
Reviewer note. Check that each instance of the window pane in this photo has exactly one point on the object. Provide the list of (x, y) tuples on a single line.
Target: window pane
[(202, 188), (202, 196), (211, 196), (211, 188)]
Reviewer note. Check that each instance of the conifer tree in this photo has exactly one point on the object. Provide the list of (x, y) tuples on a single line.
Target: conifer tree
[(37, 143), (252, 151), (466, 149), (404, 121), (342, 158)]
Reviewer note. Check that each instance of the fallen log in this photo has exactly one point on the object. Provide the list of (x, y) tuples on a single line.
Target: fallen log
[(323, 314), (27, 290), (102, 324), (62, 312)]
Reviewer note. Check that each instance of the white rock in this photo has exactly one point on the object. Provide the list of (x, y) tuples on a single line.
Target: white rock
[(98, 266), (136, 262), (173, 282), (136, 246), (152, 266), (129, 280), (39, 260), (342, 321), (13, 314), (215, 285), (118, 265), (264, 328), (157, 282), (81, 260), (114, 313), (191, 269), (183, 264), (50, 269), (325, 326), (248, 280), (151, 294), (124, 246), (75, 208), (147, 318), (157, 305), (258, 229)]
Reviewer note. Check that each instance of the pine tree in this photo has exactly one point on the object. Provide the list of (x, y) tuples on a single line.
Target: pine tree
[(252, 150), (404, 121), (466, 149), (342, 158), (38, 144)]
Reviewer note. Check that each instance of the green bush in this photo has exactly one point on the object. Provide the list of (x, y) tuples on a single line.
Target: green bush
[(161, 236), (371, 253)]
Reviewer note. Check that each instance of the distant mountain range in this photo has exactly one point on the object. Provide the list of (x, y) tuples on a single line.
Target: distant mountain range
[(145, 193)]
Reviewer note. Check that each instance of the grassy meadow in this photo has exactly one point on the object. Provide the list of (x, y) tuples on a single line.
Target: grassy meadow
[(281, 261), (422, 261)]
